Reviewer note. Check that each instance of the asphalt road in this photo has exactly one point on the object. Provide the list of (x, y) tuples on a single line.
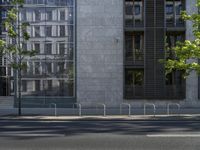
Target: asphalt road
[(99, 135)]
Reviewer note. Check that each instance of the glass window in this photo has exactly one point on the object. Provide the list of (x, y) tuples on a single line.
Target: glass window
[(48, 31), (61, 67), (49, 84), (62, 30), (37, 15), (28, 1), (62, 15), (24, 86), (51, 2), (37, 31), (49, 15), (137, 9), (62, 48), (169, 9), (47, 36), (48, 67), (134, 77), (178, 9), (24, 46), (37, 47), (3, 14), (37, 68), (37, 85), (48, 48), (129, 8)]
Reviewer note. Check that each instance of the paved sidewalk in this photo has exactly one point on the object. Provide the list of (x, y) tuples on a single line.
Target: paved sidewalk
[(186, 117)]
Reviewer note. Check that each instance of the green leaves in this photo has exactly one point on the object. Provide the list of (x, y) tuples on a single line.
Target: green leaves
[(17, 33), (186, 50)]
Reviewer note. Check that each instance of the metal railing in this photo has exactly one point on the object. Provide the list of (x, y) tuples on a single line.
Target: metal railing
[(79, 108), (104, 108), (149, 104), (172, 104), (129, 108), (55, 108)]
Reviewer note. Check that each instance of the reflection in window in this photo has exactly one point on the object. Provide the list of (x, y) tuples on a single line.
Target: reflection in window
[(48, 67), (137, 9), (134, 12), (37, 15), (37, 85), (37, 31), (37, 47), (48, 31), (49, 15), (134, 47), (37, 68), (62, 15), (173, 12), (169, 9), (134, 77), (61, 48), (48, 48), (48, 39), (179, 9), (62, 30), (61, 67), (171, 41), (24, 86)]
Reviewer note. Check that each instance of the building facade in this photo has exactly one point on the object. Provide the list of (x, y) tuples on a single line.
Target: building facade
[(102, 51)]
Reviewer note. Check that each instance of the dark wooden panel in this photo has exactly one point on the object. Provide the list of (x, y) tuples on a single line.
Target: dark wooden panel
[(149, 63), (160, 72), (149, 7)]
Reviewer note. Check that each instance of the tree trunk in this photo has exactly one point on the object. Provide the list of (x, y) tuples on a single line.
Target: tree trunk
[(19, 92)]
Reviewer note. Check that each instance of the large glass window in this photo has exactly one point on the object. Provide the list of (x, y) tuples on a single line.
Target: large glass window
[(62, 15), (51, 72), (48, 49), (48, 31), (37, 31), (134, 44), (173, 10), (49, 15), (134, 81), (62, 30), (175, 77), (134, 10), (37, 15)]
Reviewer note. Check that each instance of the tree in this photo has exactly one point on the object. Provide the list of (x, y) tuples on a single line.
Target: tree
[(189, 49), (11, 48)]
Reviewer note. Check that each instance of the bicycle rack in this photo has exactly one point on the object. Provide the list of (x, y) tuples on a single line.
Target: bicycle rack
[(172, 104), (104, 108), (55, 108), (148, 104), (79, 108), (129, 108)]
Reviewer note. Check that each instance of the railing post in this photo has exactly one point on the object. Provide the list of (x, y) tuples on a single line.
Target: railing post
[(104, 108), (171, 104), (129, 108), (148, 104), (79, 108), (55, 108)]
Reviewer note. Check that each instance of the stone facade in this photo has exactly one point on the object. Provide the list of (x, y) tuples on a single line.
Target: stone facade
[(100, 51)]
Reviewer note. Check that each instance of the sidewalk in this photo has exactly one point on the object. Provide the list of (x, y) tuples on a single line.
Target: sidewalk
[(93, 114), (186, 117)]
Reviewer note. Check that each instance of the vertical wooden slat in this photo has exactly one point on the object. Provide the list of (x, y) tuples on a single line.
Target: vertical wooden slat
[(150, 50)]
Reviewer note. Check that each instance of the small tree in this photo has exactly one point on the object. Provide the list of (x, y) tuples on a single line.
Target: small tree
[(189, 49), (11, 48)]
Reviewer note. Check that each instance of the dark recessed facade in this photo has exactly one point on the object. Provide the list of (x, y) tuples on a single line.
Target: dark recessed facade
[(150, 27)]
